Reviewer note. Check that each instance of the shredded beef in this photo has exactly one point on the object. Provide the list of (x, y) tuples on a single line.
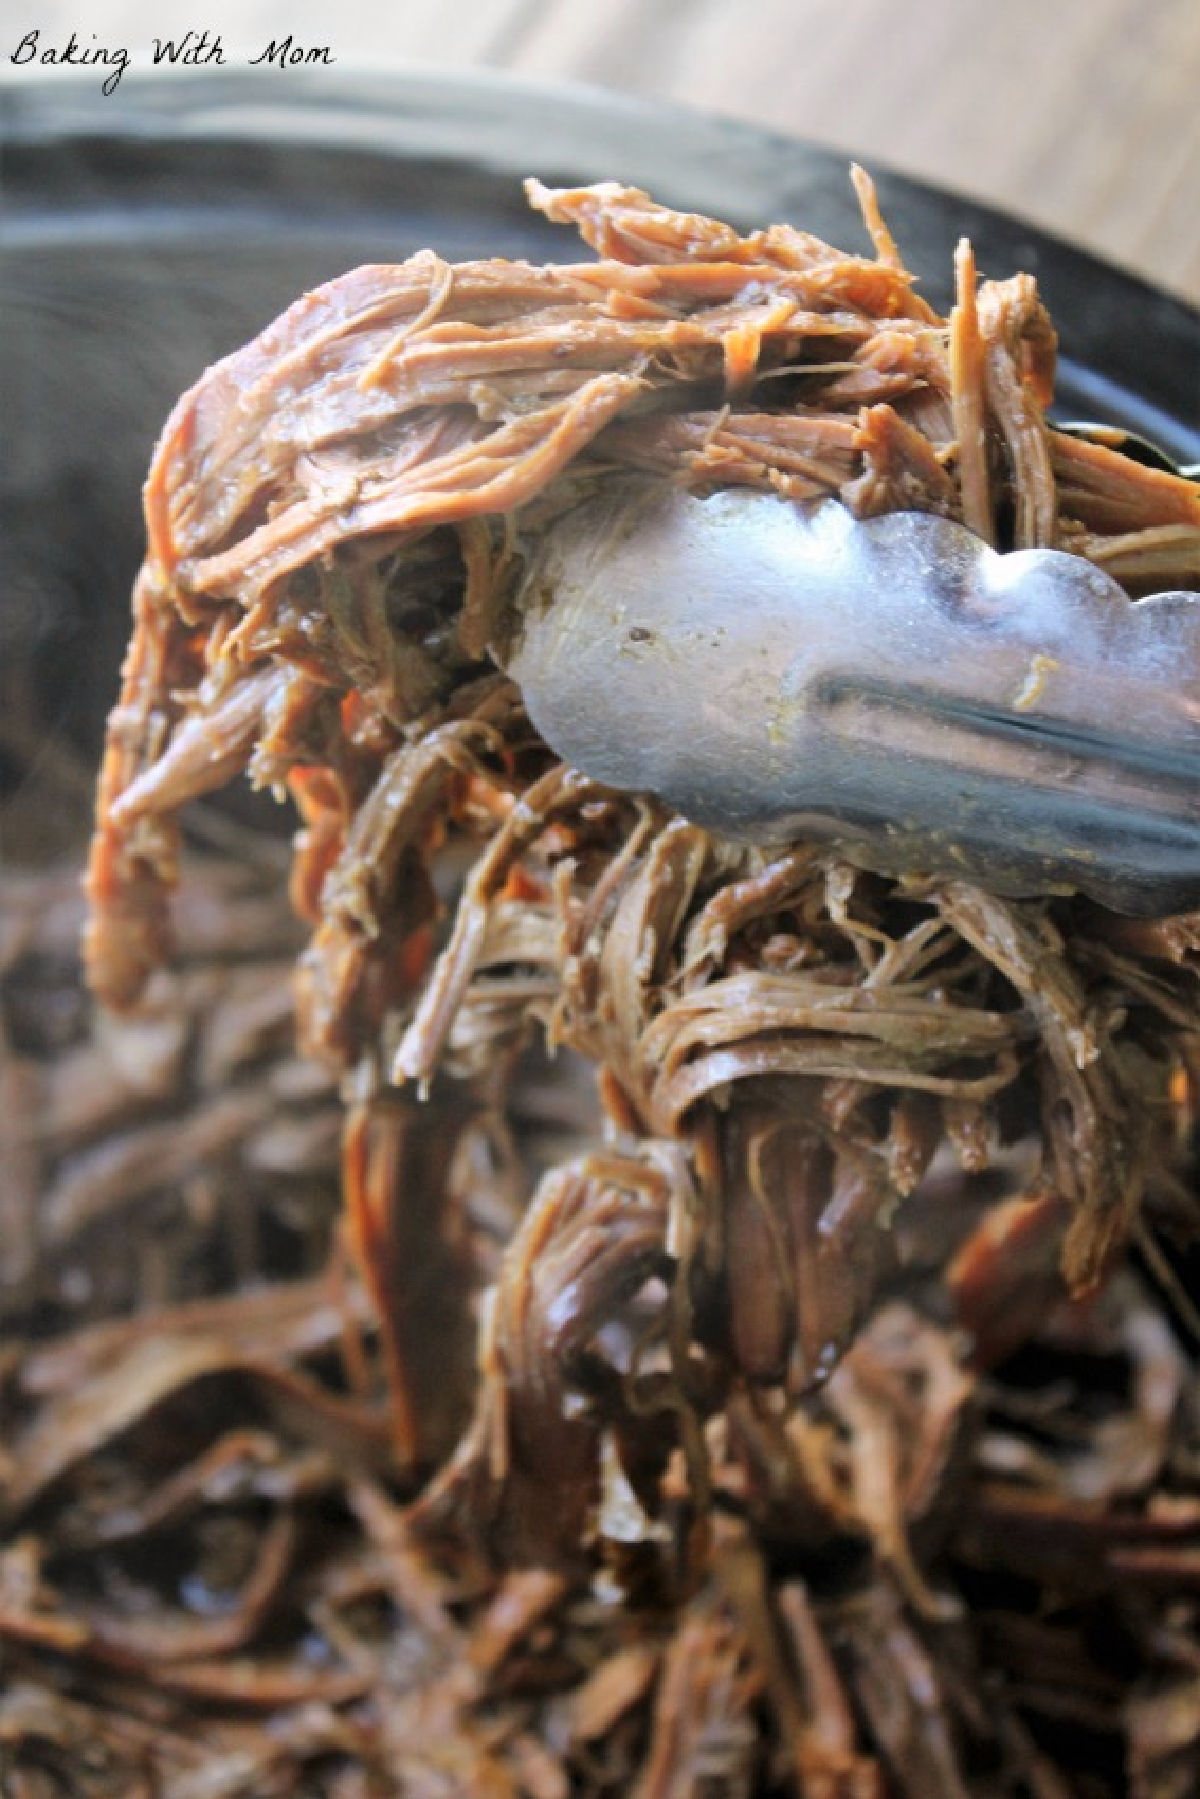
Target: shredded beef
[(788, 1389)]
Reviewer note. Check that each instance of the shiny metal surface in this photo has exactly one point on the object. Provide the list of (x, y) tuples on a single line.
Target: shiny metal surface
[(775, 671)]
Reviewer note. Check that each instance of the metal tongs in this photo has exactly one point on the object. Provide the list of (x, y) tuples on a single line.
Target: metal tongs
[(775, 671)]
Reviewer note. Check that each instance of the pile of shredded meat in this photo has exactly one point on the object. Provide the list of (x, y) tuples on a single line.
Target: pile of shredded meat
[(790, 1414)]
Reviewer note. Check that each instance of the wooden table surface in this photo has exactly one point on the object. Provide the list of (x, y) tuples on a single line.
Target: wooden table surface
[(1081, 115)]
